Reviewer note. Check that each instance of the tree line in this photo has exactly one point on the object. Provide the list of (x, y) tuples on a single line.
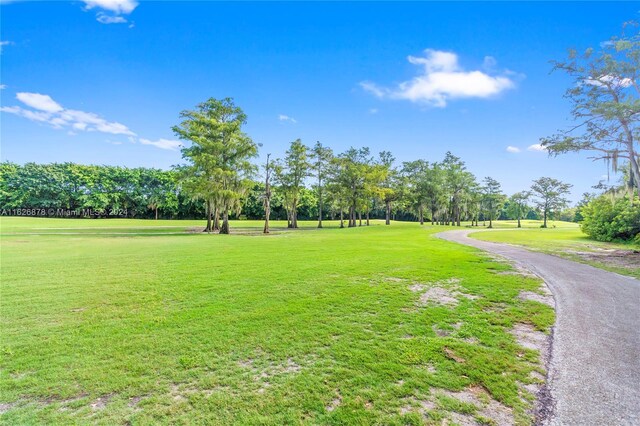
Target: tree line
[(220, 181)]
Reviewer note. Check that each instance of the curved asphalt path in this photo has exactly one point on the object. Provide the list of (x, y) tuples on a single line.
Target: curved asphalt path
[(594, 370)]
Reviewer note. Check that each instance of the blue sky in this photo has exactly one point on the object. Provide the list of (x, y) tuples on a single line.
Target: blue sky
[(102, 82)]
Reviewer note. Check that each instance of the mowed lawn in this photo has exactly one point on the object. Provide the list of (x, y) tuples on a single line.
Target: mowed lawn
[(567, 240), (144, 322)]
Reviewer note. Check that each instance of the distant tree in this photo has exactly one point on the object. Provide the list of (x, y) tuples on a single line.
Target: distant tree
[(435, 192), (349, 180), (549, 195), (321, 157), (415, 175), (219, 155), (389, 186), (492, 197), (290, 175), (474, 202), (457, 180), (606, 104), (267, 194), (518, 205)]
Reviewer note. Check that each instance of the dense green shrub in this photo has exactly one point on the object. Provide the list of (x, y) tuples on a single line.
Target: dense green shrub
[(608, 219)]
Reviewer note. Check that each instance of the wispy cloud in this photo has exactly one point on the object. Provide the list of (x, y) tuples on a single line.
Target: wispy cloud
[(513, 149), (39, 102), (443, 79), (103, 18), (283, 117), (536, 147), (111, 11), (3, 86), (373, 110), (162, 143), (609, 80), (4, 43), (43, 109)]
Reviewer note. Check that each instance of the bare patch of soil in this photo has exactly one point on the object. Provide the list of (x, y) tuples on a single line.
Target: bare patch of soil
[(101, 402), (544, 297), (487, 407), (439, 295), (528, 337), (452, 355), (4, 407), (135, 400), (335, 403), (444, 292), (628, 259), (263, 374)]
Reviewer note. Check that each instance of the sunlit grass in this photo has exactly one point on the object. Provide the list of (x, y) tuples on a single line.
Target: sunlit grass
[(566, 240), (310, 326)]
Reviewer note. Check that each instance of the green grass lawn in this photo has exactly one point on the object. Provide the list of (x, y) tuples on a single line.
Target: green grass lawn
[(145, 322), (567, 240)]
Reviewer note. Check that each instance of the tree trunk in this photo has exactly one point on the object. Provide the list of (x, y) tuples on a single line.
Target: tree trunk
[(208, 208), (352, 216), (388, 213), (289, 219), (216, 219), (421, 216), (544, 225), (341, 218), (267, 213), (225, 222), (319, 207), (360, 218), (490, 222), (367, 217), (519, 226)]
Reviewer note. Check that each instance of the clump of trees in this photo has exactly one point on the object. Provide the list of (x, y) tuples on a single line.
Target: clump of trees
[(605, 99), (607, 218), (219, 181), (140, 192)]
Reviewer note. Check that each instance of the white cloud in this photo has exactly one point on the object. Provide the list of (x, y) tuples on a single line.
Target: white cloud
[(3, 86), (116, 6), (536, 147), (513, 149), (443, 79), (46, 110), (39, 101), (283, 117), (114, 10), (107, 19), (162, 143), (489, 63), (607, 79), (373, 111), (4, 43)]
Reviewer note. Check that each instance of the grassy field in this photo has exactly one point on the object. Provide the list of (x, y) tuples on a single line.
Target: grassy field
[(147, 322), (566, 240)]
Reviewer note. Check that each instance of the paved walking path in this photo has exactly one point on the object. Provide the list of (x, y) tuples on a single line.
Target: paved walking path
[(594, 371)]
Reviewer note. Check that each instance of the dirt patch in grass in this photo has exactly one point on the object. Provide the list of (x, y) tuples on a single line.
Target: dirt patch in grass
[(335, 403), (542, 297), (4, 407), (441, 293), (528, 337), (626, 259), (468, 407), (452, 355), (101, 402), (263, 374), (135, 400)]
